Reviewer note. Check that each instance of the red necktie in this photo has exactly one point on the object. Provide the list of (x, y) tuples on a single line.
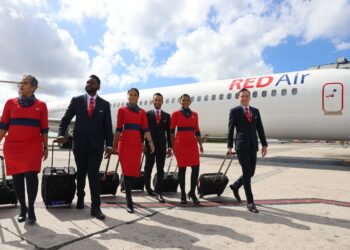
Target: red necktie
[(91, 107), (247, 114), (158, 116)]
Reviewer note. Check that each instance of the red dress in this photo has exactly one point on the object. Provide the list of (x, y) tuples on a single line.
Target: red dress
[(185, 145), (23, 147), (131, 124)]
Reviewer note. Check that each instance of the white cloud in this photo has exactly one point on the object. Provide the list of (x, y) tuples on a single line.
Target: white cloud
[(342, 46), (32, 43)]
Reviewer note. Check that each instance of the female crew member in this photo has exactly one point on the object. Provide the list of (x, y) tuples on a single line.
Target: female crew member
[(185, 145), (25, 120), (131, 125)]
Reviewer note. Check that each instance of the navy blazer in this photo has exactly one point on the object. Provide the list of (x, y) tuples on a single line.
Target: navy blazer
[(89, 133), (246, 132), (160, 132)]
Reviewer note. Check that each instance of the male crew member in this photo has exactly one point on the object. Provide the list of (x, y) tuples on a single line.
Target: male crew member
[(91, 136), (159, 125), (247, 122)]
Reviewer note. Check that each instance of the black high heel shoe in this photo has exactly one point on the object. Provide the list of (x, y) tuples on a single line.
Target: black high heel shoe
[(31, 216), (183, 198), (129, 206), (22, 214), (194, 198)]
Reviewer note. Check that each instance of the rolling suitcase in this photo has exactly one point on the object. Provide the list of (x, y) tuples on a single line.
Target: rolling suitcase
[(170, 179), (139, 184), (7, 194), (109, 180), (213, 183), (58, 183)]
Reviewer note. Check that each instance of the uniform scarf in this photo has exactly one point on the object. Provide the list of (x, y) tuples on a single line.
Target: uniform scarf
[(133, 107), (26, 101), (187, 112)]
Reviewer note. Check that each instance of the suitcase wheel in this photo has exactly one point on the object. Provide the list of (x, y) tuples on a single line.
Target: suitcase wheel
[(219, 195), (69, 205), (200, 196)]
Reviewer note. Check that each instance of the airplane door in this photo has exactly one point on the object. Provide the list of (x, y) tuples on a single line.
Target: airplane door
[(332, 98)]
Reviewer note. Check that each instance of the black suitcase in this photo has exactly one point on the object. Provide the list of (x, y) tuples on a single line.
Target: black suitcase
[(139, 184), (7, 194), (213, 183), (58, 183), (109, 180), (170, 180)]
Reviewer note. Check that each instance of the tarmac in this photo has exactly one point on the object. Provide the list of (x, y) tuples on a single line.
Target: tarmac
[(301, 189)]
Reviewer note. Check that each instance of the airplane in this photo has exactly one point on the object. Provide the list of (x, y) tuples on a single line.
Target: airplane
[(305, 105)]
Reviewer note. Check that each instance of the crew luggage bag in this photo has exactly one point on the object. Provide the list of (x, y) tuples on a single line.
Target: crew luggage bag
[(58, 183), (213, 183), (139, 184), (170, 180), (7, 194), (109, 180)]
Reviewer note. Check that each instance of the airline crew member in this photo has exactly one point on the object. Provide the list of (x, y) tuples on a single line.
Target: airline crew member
[(131, 125), (92, 136), (247, 121), (25, 120), (185, 145), (159, 125)]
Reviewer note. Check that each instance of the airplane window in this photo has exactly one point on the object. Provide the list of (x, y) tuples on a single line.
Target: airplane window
[(173, 100), (141, 103), (294, 91), (199, 98), (150, 102), (146, 102), (206, 98), (114, 105), (264, 93), (237, 95), (229, 95), (192, 98), (284, 92), (273, 92), (213, 97), (118, 105), (167, 100), (255, 94), (221, 96)]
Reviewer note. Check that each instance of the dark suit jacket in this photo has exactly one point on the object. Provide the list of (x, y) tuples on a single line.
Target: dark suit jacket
[(89, 133), (160, 133), (246, 137)]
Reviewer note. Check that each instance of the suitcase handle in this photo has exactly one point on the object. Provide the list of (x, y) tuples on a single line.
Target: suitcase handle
[(143, 157), (52, 150), (3, 171), (171, 160), (116, 168), (222, 165)]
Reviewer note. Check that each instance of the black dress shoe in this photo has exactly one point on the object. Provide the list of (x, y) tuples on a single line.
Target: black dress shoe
[(129, 206), (160, 198), (31, 216), (150, 192), (80, 203), (236, 193), (97, 213), (22, 215), (252, 208), (194, 198), (183, 198)]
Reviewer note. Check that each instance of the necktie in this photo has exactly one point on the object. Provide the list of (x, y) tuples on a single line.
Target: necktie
[(91, 107), (158, 116), (247, 114)]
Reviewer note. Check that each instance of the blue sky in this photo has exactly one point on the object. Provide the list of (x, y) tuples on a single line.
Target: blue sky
[(147, 44)]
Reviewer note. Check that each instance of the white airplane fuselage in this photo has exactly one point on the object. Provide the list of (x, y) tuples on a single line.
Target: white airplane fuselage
[(312, 104)]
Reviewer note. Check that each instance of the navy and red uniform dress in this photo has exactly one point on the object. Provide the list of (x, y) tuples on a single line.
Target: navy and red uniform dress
[(185, 145), (132, 124), (23, 147)]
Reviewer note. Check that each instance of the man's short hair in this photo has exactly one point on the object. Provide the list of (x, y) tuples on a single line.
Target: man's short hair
[(243, 90), (158, 94), (96, 78)]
